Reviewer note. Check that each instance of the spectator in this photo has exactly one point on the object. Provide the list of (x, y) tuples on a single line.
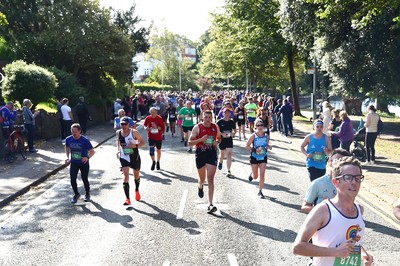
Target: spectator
[(286, 113), (371, 133), (117, 106), (83, 114), (334, 126), (29, 122), (326, 115), (117, 120), (67, 117), (345, 133), (60, 118), (7, 116)]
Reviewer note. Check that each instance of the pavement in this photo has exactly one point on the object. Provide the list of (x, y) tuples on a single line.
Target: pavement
[(381, 186)]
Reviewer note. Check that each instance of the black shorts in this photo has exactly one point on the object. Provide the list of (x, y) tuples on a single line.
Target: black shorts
[(157, 143), (241, 122), (134, 164), (197, 109), (255, 161), (172, 120), (186, 129), (204, 157), (226, 143)]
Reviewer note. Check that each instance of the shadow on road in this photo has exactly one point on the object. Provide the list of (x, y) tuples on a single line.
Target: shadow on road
[(180, 177), (264, 230), (296, 207), (382, 229), (109, 215), (170, 218)]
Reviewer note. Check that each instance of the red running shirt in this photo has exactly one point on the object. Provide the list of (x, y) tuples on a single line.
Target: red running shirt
[(153, 133), (211, 132)]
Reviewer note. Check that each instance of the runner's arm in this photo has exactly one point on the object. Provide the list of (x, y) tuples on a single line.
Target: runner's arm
[(249, 142), (139, 137), (305, 142)]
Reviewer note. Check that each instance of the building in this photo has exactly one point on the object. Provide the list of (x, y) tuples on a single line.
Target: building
[(145, 67)]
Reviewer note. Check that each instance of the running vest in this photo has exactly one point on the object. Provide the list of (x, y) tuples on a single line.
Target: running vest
[(316, 149), (211, 132), (260, 144), (339, 229), (128, 153)]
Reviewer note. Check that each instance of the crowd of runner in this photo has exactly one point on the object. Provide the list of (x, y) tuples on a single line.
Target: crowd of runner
[(207, 123)]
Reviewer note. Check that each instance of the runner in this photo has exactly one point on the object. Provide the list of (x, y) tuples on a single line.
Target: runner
[(251, 109), (154, 125), (180, 120), (171, 112), (226, 127), (258, 144), (205, 136), (81, 150), (318, 147), (187, 114), (336, 226), (128, 142), (322, 187), (241, 119)]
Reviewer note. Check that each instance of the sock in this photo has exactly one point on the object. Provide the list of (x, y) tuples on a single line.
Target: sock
[(137, 183), (126, 189)]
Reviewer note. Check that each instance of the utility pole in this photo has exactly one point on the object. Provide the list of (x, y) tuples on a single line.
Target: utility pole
[(314, 88)]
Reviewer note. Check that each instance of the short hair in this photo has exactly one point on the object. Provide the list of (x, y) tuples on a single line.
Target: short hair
[(343, 114), (337, 167), (65, 100), (208, 112), (152, 108), (26, 102), (76, 125), (120, 111), (340, 151)]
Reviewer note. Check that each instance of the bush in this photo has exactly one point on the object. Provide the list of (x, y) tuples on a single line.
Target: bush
[(28, 81)]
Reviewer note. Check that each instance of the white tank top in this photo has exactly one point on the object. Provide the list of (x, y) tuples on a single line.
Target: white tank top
[(339, 229), (128, 138)]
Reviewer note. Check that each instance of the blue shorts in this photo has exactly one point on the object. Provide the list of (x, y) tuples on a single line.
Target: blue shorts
[(251, 119)]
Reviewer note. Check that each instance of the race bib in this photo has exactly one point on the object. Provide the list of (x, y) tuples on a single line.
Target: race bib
[(317, 156), (354, 259), (209, 140), (261, 151), (128, 151), (76, 155), (171, 116), (240, 117), (188, 118), (227, 134), (154, 131)]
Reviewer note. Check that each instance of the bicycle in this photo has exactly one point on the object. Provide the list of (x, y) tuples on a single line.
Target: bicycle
[(15, 144)]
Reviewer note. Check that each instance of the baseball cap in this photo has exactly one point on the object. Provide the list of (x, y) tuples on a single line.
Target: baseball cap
[(124, 120), (226, 109)]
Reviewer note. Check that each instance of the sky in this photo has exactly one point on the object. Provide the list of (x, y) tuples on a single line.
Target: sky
[(185, 17)]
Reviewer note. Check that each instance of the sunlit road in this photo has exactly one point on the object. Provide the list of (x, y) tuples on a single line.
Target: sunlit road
[(170, 225)]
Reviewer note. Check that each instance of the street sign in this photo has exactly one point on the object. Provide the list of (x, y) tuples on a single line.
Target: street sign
[(311, 71)]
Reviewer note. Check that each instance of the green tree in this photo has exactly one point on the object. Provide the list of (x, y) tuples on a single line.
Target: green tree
[(28, 81)]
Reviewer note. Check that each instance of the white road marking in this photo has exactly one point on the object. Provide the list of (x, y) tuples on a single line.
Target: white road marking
[(232, 259), (182, 205), (166, 263)]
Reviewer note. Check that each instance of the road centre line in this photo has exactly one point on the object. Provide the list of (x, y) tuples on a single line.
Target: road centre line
[(232, 259), (182, 205), (389, 220)]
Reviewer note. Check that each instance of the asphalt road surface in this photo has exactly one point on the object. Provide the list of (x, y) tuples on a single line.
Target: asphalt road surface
[(170, 225)]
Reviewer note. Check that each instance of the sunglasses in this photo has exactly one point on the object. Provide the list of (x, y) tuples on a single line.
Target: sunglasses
[(259, 125)]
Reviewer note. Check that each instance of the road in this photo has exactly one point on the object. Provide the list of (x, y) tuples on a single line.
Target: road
[(170, 226)]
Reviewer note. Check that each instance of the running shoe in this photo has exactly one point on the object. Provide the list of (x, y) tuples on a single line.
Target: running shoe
[(200, 192), (261, 195), (153, 166), (244, 138), (211, 209), (189, 150), (219, 166), (250, 178), (229, 174), (127, 202), (137, 195), (158, 165), (75, 198), (240, 138), (87, 197)]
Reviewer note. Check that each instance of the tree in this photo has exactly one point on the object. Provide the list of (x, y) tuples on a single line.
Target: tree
[(28, 81)]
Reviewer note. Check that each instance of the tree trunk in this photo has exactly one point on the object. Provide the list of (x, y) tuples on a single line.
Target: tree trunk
[(293, 86), (382, 106), (352, 106)]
